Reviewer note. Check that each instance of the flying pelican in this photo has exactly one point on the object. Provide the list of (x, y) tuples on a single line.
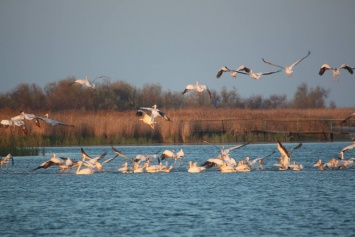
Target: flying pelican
[(5, 161), (85, 82), (94, 161), (253, 75), (226, 69), (225, 152), (335, 71), (288, 69), (145, 118), (54, 160), (193, 168), (154, 112), (18, 123), (347, 118), (24, 116), (284, 161), (170, 154), (214, 162), (198, 88), (88, 170), (53, 122)]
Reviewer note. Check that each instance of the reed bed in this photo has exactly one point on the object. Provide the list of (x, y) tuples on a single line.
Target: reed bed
[(188, 126)]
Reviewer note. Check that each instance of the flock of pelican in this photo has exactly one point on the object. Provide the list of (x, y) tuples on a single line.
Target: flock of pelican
[(223, 162)]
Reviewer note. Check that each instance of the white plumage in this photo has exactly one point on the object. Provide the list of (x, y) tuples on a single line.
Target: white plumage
[(198, 88)]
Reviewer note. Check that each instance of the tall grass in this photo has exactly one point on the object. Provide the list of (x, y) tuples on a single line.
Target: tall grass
[(188, 126)]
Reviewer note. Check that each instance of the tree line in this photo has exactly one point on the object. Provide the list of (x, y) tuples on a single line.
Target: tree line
[(121, 96)]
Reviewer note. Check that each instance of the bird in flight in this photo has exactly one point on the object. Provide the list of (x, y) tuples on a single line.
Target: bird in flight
[(288, 69), (335, 71), (198, 88), (253, 75)]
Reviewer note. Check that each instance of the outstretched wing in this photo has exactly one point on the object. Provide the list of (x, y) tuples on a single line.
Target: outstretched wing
[(118, 152), (237, 147), (268, 73), (296, 147), (344, 66), (188, 88), (295, 63), (353, 114), (271, 63)]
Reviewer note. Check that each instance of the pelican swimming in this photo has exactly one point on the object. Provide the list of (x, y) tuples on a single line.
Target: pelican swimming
[(253, 75), (53, 122), (154, 113), (288, 69), (125, 169), (193, 168), (284, 161), (296, 167), (88, 170), (335, 71), (257, 163), (176, 156), (5, 161), (198, 88)]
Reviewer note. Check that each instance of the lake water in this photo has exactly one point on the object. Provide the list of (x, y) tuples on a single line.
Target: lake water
[(108, 203)]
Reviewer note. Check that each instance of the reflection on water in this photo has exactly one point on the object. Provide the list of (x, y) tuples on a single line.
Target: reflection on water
[(107, 203)]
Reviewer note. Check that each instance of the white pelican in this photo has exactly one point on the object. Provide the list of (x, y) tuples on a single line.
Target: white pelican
[(225, 152), (85, 82), (5, 160), (296, 167), (226, 69), (94, 161), (214, 162), (193, 168), (24, 116), (288, 69), (284, 161), (88, 170), (54, 160), (170, 154), (125, 169), (253, 75), (17, 123), (53, 122), (139, 169), (145, 118), (198, 88), (347, 118), (335, 71), (154, 112), (227, 168), (319, 165), (242, 167), (257, 163)]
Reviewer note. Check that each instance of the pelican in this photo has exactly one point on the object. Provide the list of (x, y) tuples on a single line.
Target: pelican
[(54, 160), (88, 170), (24, 116), (296, 167), (145, 118), (226, 69), (257, 163), (253, 75), (5, 161), (139, 169), (53, 122), (214, 162), (94, 161), (125, 169), (225, 152), (347, 118), (170, 154), (335, 71), (319, 165), (198, 88), (154, 112), (193, 168), (284, 161), (226, 168), (85, 82), (288, 69), (242, 167), (17, 123)]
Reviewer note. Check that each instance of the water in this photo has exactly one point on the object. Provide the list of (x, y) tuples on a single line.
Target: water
[(109, 203)]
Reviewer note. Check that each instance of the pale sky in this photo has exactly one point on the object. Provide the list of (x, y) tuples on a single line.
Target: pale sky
[(176, 43)]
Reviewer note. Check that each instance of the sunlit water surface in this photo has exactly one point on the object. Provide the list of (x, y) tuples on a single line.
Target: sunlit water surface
[(109, 203)]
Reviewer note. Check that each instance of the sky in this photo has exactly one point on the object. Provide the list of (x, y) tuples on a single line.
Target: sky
[(176, 43)]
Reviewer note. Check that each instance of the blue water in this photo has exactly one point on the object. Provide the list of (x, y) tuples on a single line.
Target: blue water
[(109, 203)]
